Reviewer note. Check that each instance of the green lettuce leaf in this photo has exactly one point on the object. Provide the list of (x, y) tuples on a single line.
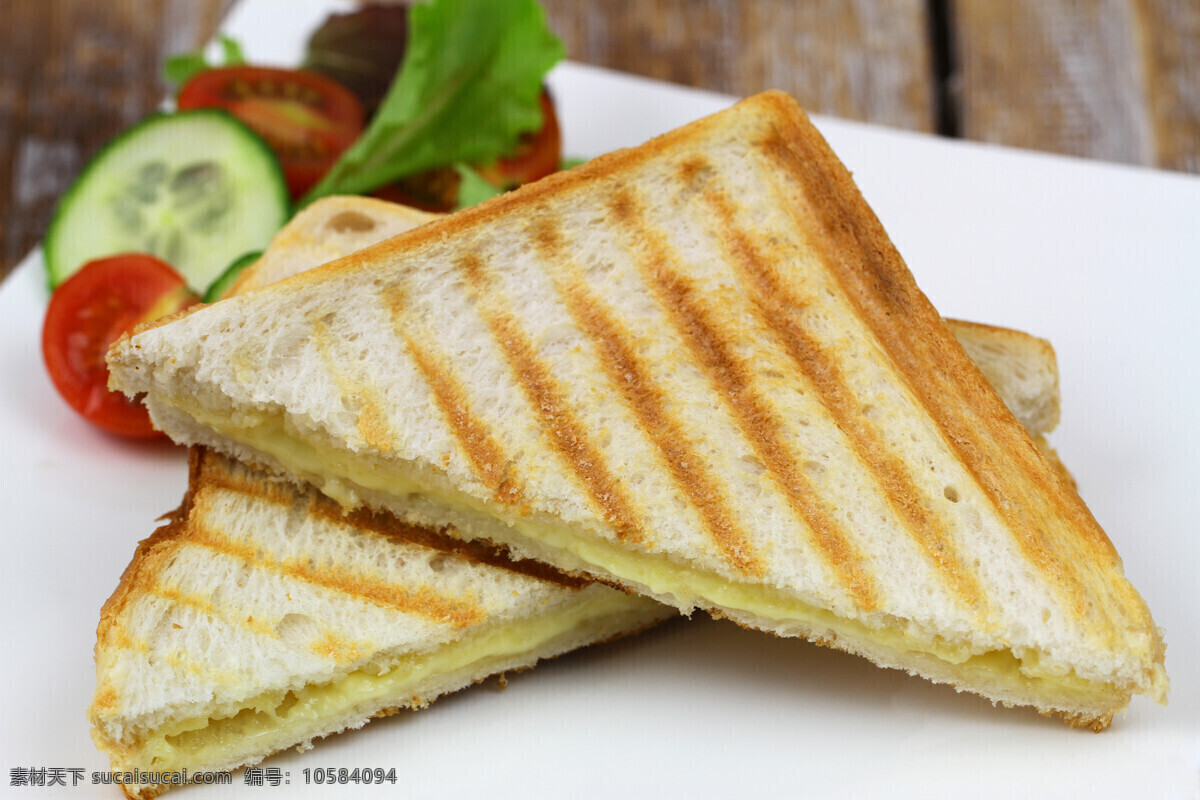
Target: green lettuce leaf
[(474, 188), (468, 87)]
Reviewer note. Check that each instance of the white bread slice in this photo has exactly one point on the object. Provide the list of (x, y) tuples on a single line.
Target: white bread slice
[(697, 369), (259, 618), (328, 229)]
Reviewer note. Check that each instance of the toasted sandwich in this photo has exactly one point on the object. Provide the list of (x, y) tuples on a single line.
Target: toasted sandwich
[(260, 617), (699, 370), (230, 509)]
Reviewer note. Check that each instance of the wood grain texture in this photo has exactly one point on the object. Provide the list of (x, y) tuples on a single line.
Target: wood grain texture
[(1108, 79), (1170, 42), (73, 73), (1055, 76), (858, 59)]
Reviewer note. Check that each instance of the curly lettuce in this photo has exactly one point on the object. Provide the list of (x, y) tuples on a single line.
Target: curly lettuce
[(466, 90)]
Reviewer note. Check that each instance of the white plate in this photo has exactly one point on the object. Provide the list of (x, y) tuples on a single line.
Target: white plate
[(1101, 260)]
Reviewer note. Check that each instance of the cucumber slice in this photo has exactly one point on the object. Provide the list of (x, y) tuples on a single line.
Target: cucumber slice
[(195, 188), (222, 284)]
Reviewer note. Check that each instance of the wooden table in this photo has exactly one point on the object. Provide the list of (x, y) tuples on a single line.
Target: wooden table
[(1117, 80)]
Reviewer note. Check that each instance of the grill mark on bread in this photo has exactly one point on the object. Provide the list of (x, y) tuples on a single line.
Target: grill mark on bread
[(422, 601), (648, 403), (203, 606), (776, 306), (867, 269), (566, 433), (223, 475), (711, 349), (474, 438), (372, 420), (151, 557), (105, 699), (329, 645), (336, 649)]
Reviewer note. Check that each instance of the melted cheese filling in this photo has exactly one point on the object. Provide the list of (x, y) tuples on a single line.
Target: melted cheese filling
[(276, 720), (341, 475)]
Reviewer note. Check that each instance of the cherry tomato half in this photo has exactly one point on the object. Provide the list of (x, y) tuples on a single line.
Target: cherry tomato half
[(306, 118), (88, 312), (537, 154)]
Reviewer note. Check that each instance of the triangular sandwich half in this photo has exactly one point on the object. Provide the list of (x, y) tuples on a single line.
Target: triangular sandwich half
[(697, 369), (261, 617)]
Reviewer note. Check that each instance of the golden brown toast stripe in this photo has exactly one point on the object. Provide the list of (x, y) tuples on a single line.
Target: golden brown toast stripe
[(871, 274), (201, 605), (329, 645), (372, 419), (473, 437), (776, 302), (423, 601), (646, 400), (565, 433), (731, 379), (214, 471)]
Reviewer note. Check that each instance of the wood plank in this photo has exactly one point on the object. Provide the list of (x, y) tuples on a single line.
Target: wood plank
[(1170, 41), (857, 59), (1108, 79), (73, 73)]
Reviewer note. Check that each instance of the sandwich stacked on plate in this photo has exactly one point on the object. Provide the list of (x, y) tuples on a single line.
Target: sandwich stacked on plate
[(696, 370)]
